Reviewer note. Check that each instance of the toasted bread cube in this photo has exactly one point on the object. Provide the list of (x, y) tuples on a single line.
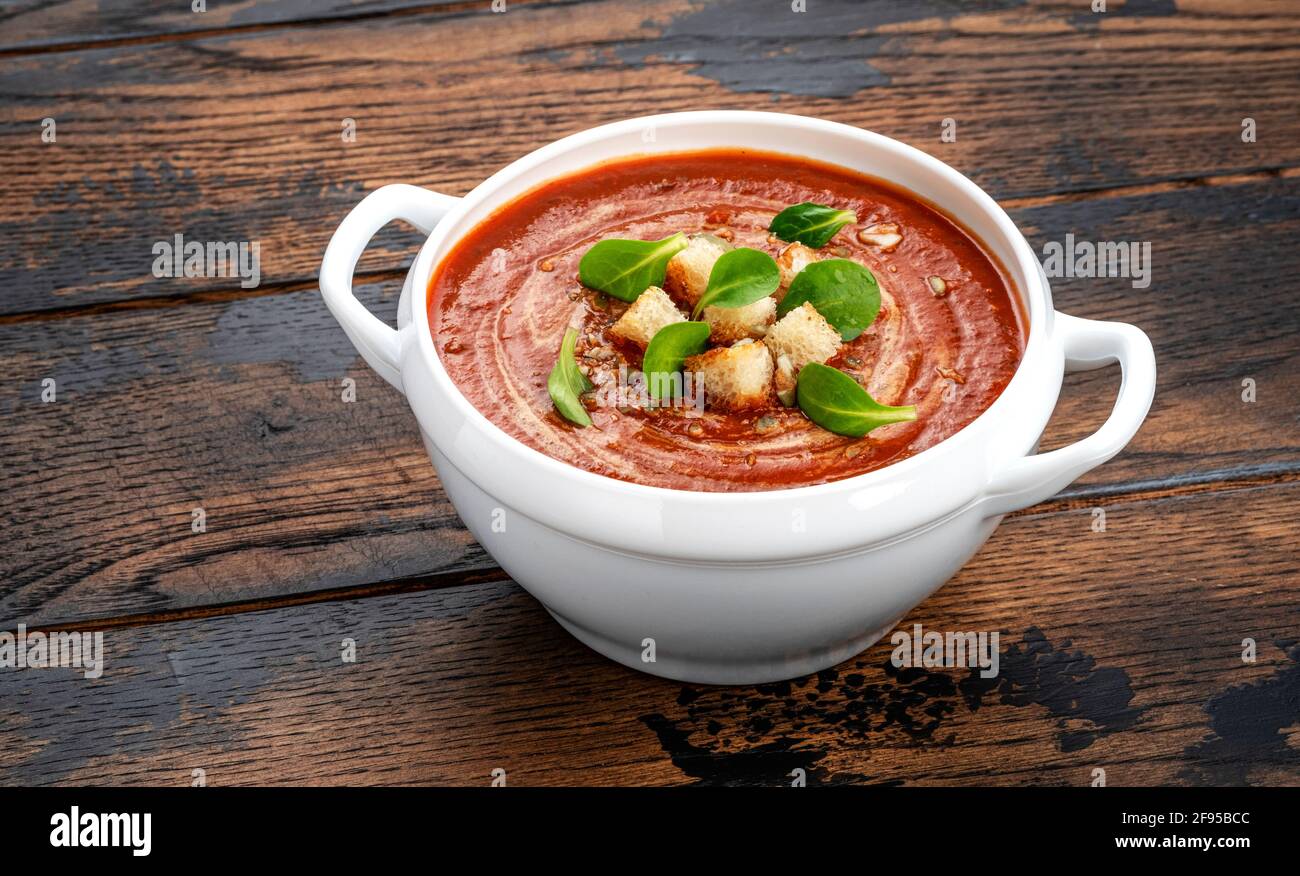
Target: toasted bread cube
[(727, 324), (735, 378), (804, 335), (688, 272), (651, 311), (793, 259)]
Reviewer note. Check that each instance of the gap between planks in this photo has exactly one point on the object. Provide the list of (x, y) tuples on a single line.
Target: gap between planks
[(414, 584), (1171, 184), (206, 296), (1219, 482), (235, 293)]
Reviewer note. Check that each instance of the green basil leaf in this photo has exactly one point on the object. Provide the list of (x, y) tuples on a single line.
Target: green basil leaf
[(626, 268), (844, 293), (810, 224), (839, 404), (566, 383), (739, 277), (667, 351)]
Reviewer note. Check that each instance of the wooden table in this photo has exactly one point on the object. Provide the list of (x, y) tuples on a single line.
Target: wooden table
[(1122, 648)]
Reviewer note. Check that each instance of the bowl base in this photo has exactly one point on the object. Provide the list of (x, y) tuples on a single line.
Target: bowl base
[(704, 671)]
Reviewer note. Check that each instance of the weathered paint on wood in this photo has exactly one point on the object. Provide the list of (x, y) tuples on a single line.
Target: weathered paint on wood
[(1112, 655), (238, 136)]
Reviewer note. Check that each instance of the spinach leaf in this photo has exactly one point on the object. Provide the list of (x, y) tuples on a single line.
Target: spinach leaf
[(626, 268), (810, 224), (566, 383), (667, 351), (843, 291), (839, 404), (739, 277)]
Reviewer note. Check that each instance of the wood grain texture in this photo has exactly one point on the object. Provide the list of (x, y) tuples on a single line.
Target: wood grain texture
[(234, 137), (55, 25), (236, 407), (1112, 656), (1121, 650)]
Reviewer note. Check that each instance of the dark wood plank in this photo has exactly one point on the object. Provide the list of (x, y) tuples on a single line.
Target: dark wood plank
[(1112, 656), (235, 406), (1218, 314), (49, 25), (237, 137)]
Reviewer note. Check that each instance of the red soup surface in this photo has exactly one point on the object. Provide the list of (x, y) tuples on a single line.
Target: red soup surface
[(500, 303)]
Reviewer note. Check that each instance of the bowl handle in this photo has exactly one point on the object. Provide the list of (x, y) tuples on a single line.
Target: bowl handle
[(377, 343), (1088, 344)]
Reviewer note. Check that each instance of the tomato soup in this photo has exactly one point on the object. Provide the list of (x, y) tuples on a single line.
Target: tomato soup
[(947, 339)]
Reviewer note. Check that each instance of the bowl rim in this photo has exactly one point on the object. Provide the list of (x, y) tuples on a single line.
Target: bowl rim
[(1036, 298)]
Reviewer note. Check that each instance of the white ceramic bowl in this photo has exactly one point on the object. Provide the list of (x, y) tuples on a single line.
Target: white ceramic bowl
[(736, 587)]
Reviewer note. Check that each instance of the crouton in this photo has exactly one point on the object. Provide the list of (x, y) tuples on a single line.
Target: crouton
[(735, 378), (727, 324), (688, 272), (804, 335), (793, 259), (651, 311)]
